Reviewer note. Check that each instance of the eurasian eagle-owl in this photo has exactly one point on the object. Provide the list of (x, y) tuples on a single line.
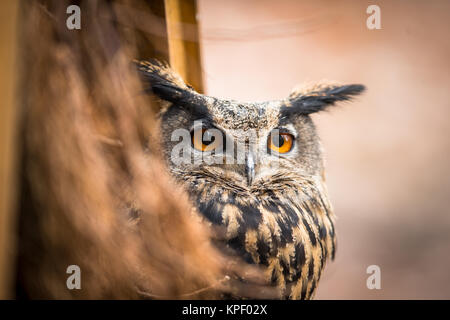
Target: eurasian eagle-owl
[(256, 170)]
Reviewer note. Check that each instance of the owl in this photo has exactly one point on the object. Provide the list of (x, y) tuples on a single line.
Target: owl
[(256, 172)]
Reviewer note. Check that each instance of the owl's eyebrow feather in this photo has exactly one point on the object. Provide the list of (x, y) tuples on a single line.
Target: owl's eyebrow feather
[(319, 98), (168, 86)]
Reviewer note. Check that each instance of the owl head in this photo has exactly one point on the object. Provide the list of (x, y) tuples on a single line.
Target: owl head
[(242, 143)]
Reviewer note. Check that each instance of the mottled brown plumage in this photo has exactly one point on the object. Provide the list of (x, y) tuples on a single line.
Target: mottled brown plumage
[(273, 208)]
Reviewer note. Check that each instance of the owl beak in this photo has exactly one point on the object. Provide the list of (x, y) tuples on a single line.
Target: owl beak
[(250, 168)]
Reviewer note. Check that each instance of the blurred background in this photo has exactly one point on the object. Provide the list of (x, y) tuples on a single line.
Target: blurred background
[(387, 153)]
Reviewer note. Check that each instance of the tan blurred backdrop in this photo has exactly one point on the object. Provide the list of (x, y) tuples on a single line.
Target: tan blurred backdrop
[(387, 153)]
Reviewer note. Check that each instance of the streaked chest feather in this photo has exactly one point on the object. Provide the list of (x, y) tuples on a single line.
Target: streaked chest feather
[(287, 227)]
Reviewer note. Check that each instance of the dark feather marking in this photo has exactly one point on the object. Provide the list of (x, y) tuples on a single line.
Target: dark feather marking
[(263, 250), (300, 257), (286, 232), (324, 207), (323, 251), (311, 214), (313, 287), (291, 215), (311, 234), (303, 294), (311, 269), (286, 269), (333, 250), (272, 206), (251, 216), (212, 211), (274, 276), (236, 245), (322, 232), (318, 100)]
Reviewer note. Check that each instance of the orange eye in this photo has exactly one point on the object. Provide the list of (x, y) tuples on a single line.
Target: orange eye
[(206, 139), (281, 142)]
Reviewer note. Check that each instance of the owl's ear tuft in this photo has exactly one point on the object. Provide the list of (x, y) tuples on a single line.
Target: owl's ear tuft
[(165, 83), (316, 98)]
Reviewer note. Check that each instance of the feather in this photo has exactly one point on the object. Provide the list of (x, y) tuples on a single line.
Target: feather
[(318, 98)]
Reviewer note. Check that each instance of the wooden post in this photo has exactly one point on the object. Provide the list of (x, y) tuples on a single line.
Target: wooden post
[(184, 48), (150, 45), (8, 143)]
